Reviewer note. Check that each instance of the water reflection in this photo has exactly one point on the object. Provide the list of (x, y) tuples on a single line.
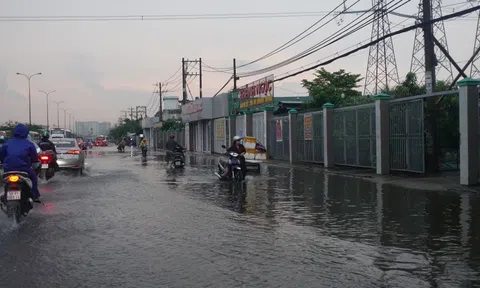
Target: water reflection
[(424, 237)]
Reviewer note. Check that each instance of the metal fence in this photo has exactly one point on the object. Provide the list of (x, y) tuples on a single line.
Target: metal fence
[(220, 134), (354, 136), (240, 125), (407, 137), (161, 137), (258, 125), (279, 146), (310, 137)]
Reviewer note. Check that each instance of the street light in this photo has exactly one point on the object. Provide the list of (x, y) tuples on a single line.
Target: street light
[(46, 94), (64, 118), (29, 95), (58, 112)]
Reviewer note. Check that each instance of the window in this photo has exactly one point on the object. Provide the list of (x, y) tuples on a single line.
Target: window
[(65, 144)]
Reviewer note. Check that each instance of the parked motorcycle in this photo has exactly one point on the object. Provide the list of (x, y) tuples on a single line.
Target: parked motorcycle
[(235, 172), (178, 160), (47, 165), (17, 198)]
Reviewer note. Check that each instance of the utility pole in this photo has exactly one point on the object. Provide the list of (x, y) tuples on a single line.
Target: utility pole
[(430, 63), (131, 112), (235, 78), (64, 118), (142, 110), (58, 112), (160, 113), (200, 68), (186, 73), (184, 82), (429, 47)]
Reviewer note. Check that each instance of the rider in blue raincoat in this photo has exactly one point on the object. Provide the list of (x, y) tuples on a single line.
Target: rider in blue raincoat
[(18, 154)]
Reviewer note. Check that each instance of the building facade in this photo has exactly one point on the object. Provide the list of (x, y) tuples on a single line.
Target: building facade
[(92, 128)]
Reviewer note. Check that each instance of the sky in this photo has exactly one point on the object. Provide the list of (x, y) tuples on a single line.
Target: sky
[(100, 68)]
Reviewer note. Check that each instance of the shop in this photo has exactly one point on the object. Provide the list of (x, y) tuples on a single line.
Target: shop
[(199, 125), (221, 133), (148, 126), (248, 107)]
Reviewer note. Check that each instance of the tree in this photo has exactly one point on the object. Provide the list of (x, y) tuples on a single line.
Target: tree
[(10, 125), (338, 88), (128, 126), (172, 124)]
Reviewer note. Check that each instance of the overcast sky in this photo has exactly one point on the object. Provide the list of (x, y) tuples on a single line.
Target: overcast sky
[(100, 68)]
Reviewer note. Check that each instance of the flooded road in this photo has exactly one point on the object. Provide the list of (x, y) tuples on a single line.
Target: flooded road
[(129, 223)]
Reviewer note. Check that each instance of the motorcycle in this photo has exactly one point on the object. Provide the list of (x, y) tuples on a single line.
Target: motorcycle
[(47, 165), (17, 198), (144, 151), (178, 158), (121, 148), (235, 172)]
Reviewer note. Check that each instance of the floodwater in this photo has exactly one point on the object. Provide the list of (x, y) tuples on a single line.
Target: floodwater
[(129, 223)]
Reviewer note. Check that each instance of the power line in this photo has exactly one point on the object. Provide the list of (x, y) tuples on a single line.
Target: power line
[(224, 85), (324, 43), (289, 43), (178, 70), (401, 31), (336, 53), (158, 17)]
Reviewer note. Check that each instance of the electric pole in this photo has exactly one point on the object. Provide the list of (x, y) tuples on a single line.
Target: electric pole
[(382, 64), (160, 113), (186, 73), (131, 112), (234, 74), (200, 68), (430, 63), (184, 83)]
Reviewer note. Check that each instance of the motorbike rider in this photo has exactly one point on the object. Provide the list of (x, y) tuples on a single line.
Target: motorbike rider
[(171, 147), (238, 148), (18, 154), (45, 144), (143, 143), (121, 145)]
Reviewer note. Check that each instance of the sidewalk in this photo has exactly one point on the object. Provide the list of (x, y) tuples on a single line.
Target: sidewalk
[(442, 182)]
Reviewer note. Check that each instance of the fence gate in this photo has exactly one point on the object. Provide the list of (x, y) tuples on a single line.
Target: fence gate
[(241, 126), (310, 137), (258, 124), (278, 139), (354, 136), (407, 138)]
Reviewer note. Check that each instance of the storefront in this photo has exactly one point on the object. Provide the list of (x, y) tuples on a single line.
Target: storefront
[(199, 128), (221, 133), (148, 126), (248, 105)]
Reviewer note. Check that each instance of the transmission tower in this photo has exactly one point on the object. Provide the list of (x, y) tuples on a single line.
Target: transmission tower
[(443, 67), (475, 69), (381, 65)]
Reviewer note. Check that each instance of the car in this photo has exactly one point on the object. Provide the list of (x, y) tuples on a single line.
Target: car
[(69, 154)]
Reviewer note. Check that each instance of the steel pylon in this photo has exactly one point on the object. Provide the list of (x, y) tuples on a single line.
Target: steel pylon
[(444, 67), (475, 68), (382, 65)]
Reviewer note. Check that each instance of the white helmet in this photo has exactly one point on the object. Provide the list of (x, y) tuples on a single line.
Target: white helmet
[(141, 135), (236, 138)]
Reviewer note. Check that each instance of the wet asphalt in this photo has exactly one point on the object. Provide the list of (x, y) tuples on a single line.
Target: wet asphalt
[(134, 223)]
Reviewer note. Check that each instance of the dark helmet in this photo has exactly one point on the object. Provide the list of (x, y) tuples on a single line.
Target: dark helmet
[(172, 136), (45, 134)]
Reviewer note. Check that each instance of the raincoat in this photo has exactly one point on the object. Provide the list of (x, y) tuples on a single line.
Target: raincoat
[(18, 154)]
